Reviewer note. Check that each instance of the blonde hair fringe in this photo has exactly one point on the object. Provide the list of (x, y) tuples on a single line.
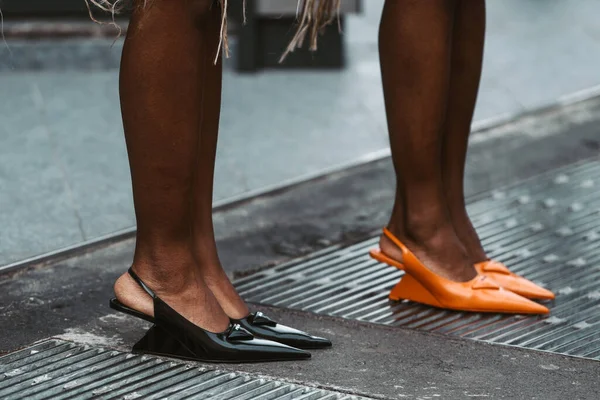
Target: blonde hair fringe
[(312, 16)]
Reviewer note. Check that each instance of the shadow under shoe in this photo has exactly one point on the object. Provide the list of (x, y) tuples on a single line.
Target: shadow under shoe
[(172, 335)]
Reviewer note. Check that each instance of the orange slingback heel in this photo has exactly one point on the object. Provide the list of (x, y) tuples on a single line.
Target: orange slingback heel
[(421, 285)]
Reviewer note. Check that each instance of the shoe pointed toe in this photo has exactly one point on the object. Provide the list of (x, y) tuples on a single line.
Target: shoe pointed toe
[(518, 304), (482, 294), (513, 282), (306, 341), (269, 350), (526, 288), (320, 342), (264, 327)]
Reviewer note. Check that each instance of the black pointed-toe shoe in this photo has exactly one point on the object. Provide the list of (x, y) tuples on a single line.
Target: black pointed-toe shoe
[(174, 336), (264, 327)]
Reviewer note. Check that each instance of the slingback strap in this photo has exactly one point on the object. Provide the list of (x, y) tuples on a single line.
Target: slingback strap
[(396, 241), (140, 282), (479, 282)]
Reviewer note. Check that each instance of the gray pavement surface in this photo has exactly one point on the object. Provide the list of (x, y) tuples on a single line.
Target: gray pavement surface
[(63, 168), (390, 363), (67, 297), (58, 369)]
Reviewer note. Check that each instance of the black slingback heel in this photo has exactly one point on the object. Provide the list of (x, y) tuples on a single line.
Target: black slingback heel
[(258, 324), (174, 336)]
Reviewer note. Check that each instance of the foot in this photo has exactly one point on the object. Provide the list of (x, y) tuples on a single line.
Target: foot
[(219, 284), (185, 292), (211, 271), (468, 235), (440, 250)]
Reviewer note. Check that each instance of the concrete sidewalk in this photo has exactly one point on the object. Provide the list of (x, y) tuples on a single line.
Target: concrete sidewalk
[(63, 168)]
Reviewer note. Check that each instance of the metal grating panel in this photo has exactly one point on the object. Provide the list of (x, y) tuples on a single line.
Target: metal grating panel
[(58, 370), (546, 228)]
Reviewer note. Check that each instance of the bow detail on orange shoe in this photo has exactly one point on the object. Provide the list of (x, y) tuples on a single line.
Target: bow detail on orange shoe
[(511, 281)]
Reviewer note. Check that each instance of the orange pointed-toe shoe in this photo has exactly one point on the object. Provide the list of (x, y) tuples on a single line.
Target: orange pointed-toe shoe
[(421, 285), (511, 281)]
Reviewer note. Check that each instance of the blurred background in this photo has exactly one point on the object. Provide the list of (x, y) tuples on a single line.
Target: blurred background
[(64, 177)]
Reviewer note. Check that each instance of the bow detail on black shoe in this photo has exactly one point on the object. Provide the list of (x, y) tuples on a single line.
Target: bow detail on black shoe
[(259, 325), (236, 332), (260, 319)]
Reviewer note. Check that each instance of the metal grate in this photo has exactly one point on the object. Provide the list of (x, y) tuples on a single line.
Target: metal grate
[(546, 228), (63, 370)]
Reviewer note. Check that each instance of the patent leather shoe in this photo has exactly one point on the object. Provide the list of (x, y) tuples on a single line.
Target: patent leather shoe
[(172, 335), (262, 326)]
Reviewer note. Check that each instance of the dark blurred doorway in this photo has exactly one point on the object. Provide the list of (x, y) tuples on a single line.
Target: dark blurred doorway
[(43, 7)]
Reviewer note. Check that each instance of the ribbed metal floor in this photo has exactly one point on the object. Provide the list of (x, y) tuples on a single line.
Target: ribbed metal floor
[(547, 229), (58, 370)]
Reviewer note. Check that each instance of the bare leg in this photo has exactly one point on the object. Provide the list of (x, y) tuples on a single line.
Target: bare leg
[(205, 249), (415, 51), (467, 56), (162, 73)]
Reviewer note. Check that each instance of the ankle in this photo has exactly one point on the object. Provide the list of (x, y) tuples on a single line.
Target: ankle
[(206, 255), (163, 261), (436, 246), (160, 252), (217, 281), (426, 235), (423, 225), (178, 276), (457, 210), (466, 233)]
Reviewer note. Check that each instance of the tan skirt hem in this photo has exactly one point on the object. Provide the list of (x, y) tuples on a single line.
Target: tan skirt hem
[(312, 16)]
